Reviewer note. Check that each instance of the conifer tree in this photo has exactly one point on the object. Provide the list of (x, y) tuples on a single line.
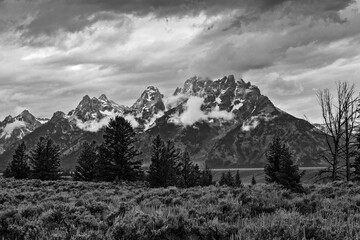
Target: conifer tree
[(238, 182), (157, 168), (45, 160), (85, 169), (281, 168), (189, 172), (222, 181), (171, 157), (273, 155), (19, 167), (117, 154), (206, 177), (229, 179), (253, 180)]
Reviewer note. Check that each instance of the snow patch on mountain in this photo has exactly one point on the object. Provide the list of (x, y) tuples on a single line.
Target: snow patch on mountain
[(193, 113), (250, 124), (42, 120), (10, 127), (254, 121)]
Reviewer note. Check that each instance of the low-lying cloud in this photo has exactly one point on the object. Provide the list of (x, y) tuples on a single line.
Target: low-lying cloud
[(10, 127), (193, 113), (95, 125)]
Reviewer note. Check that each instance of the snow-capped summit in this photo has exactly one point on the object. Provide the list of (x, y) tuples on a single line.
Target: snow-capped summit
[(149, 103), (225, 93), (95, 108), (13, 129), (103, 98)]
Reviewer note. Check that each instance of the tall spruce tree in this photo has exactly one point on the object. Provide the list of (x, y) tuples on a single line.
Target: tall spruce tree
[(229, 180), (190, 173), (165, 167), (222, 181), (85, 169), (281, 168), (273, 155), (117, 154), (253, 180), (45, 160), (19, 167), (238, 182), (289, 174), (206, 177), (171, 158), (157, 168)]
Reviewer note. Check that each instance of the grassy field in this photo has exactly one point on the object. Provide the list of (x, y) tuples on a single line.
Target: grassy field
[(75, 210)]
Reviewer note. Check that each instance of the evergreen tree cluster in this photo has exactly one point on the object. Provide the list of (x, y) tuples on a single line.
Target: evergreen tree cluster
[(43, 162), (170, 167), (281, 168), (116, 159), (227, 179)]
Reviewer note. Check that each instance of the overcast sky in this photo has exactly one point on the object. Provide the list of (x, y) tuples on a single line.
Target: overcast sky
[(53, 52)]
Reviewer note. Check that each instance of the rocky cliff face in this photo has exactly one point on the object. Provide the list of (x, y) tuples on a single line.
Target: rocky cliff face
[(225, 123)]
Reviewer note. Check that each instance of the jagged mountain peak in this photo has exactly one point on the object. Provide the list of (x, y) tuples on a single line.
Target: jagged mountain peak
[(57, 115), (26, 116), (95, 108), (103, 98), (149, 103), (197, 86), (8, 118), (12, 129)]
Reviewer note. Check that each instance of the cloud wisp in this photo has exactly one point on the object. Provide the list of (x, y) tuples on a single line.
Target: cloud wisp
[(193, 113)]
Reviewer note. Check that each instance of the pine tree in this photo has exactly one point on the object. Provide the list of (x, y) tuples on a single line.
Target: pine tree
[(281, 168), (222, 181), (45, 160), (171, 157), (85, 169), (18, 167), (189, 172), (206, 177), (229, 179), (165, 167), (238, 182), (289, 174), (273, 156), (117, 155), (157, 169), (253, 180)]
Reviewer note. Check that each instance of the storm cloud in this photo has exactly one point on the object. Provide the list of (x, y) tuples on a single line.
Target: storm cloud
[(55, 51)]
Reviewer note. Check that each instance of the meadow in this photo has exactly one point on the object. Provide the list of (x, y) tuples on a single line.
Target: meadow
[(34, 209), (259, 174)]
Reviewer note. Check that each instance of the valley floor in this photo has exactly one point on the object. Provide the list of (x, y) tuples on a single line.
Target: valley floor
[(76, 210)]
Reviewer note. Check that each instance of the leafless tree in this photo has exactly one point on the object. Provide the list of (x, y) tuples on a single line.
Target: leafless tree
[(339, 115)]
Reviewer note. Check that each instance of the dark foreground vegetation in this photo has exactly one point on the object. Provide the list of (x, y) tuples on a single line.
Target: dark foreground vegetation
[(35, 209)]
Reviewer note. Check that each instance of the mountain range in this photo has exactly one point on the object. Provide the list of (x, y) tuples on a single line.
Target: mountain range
[(224, 123)]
